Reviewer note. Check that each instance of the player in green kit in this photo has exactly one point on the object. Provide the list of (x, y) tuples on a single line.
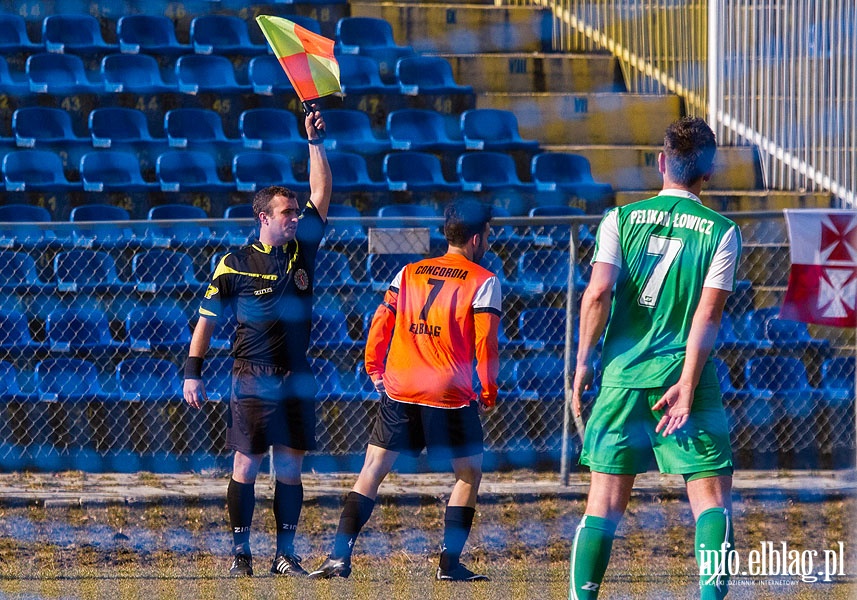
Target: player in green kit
[(670, 264)]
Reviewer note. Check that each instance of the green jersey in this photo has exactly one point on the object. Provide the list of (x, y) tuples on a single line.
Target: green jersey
[(668, 248)]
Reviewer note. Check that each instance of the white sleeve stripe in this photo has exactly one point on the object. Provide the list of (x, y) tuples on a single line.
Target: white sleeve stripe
[(489, 295), (721, 272), (607, 247)]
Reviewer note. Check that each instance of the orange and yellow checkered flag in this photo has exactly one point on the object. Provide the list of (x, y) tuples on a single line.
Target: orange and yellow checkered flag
[(306, 57)]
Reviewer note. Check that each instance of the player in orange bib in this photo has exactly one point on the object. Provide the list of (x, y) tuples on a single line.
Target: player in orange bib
[(437, 316)]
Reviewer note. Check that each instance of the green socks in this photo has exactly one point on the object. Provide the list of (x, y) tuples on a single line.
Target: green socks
[(590, 554), (713, 530)]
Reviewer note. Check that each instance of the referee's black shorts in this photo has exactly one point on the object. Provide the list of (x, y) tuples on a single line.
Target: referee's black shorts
[(444, 432), (270, 405)]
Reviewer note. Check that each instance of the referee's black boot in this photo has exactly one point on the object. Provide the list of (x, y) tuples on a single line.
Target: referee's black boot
[(242, 562), (288, 563), (332, 567)]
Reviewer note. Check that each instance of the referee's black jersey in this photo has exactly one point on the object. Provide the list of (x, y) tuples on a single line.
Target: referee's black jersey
[(269, 290)]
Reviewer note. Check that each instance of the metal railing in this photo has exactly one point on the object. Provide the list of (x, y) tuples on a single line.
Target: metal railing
[(780, 74)]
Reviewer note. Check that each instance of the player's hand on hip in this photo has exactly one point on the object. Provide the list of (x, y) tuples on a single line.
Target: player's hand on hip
[(484, 409), (379, 386), (675, 403), (194, 392)]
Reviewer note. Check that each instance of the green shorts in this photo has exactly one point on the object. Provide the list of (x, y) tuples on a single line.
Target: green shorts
[(620, 435)]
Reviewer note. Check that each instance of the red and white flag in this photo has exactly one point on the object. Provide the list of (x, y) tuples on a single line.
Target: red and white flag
[(823, 277)]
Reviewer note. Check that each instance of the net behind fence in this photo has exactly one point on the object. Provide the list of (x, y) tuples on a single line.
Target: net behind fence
[(96, 319)]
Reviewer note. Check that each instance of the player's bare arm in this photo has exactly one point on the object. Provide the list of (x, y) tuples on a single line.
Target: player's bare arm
[(320, 178), (194, 389), (594, 312), (678, 399)]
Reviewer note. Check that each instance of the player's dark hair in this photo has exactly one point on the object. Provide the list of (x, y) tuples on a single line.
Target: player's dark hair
[(464, 219), (689, 148), (262, 199)]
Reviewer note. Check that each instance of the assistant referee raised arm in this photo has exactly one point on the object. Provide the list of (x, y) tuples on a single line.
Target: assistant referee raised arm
[(269, 287)]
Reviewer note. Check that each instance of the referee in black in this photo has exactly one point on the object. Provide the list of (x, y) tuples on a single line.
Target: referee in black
[(269, 286)]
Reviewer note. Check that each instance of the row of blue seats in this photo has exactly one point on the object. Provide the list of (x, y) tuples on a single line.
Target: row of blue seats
[(777, 387), (165, 328), (278, 129), (66, 74), (152, 34), (174, 272), (197, 171)]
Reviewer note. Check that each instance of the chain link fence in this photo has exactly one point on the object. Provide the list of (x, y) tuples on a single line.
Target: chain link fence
[(97, 318)]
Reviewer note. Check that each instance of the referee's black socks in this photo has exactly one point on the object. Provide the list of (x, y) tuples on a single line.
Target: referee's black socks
[(240, 501), (288, 500), (357, 510), (457, 522)]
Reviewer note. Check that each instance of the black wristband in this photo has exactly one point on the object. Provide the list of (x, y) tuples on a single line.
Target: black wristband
[(193, 367), (315, 142)]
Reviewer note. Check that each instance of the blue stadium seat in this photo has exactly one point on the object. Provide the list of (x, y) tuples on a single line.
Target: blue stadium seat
[(254, 170), (383, 267), (197, 128), (39, 126), (59, 75), (372, 37), (273, 129), (113, 171), (68, 380), (149, 34), (21, 275), (351, 131), (217, 376), (16, 229), (427, 75), (486, 171), (10, 389), (179, 234), (308, 23), (148, 379), (111, 126), (332, 272), (329, 382), (35, 170), (350, 173), (133, 73), (235, 233), (81, 330), (88, 271), (14, 37), (15, 334), (505, 235), (197, 73), (157, 328), (493, 129), (341, 231), (419, 129), (494, 263), (189, 171), (742, 408), (542, 328), (730, 341), (541, 271), (786, 336), (416, 171), (360, 75), (567, 172), (741, 299), (413, 215), (330, 332), (165, 272), (783, 381), (540, 378), (837, 376), (223, 34), (267, 77), (74, 34), (12, 85), (96, 226), (559, 235)]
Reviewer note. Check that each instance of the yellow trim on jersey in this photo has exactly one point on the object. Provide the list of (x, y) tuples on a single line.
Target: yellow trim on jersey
[(206, 313), (222, 269), (265, 248)]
